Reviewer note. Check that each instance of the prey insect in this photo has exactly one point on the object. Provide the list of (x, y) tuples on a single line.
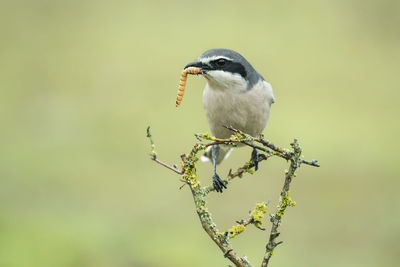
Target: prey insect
[(182, 83)]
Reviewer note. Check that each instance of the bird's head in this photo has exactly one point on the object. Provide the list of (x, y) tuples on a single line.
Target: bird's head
[(226, 69)]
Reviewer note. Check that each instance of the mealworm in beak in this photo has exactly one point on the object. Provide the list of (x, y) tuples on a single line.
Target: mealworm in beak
[(182, 82)]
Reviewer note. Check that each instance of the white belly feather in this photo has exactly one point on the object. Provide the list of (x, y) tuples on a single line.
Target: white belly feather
[(247, 111)]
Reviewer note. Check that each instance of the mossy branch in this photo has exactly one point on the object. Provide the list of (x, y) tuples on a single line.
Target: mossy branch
[(189, 177)]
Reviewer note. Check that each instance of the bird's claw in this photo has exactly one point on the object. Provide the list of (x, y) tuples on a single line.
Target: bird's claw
[(218, 183), (254, 158)]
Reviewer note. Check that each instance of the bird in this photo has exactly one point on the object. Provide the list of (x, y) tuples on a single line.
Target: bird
[(235, 95)]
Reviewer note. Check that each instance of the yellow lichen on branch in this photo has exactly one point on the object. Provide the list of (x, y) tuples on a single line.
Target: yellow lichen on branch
[(189, 165), (258, 213), (235, 230), (285, 202)]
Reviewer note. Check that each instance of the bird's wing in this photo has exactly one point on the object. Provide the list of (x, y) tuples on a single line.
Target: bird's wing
[(269, 92)]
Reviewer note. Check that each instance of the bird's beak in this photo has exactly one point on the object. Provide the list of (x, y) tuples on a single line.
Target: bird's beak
[(197, 64)]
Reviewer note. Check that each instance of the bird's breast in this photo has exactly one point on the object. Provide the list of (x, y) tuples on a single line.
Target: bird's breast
[(247, 111)]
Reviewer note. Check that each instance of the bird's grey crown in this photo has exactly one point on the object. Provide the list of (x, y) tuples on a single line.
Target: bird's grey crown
[(239, 64)]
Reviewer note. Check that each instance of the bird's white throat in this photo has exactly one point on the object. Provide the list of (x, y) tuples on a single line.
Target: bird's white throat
[(223, 80)]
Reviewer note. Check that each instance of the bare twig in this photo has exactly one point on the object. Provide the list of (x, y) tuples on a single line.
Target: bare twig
[(312, 162), (153, 155), (172, 168)]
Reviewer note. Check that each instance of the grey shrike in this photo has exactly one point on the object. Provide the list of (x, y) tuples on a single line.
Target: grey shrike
[(235, 95)]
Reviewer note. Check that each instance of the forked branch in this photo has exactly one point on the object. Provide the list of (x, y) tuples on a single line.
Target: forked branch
[(189, 176)]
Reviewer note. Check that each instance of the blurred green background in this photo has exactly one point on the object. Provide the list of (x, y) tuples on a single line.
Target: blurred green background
[(81, 80)]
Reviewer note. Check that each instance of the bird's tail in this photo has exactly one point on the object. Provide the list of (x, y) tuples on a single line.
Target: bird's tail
[(224, 152)]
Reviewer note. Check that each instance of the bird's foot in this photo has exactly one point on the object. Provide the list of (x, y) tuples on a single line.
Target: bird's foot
[(254, 158), (218, 183)]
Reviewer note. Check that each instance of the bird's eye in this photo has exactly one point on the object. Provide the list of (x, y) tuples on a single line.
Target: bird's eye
[(221, 62)]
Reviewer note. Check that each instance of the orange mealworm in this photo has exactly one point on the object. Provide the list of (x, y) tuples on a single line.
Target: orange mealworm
[(182, 82)]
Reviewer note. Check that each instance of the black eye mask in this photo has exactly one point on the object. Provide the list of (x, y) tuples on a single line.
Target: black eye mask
[(229, 66)]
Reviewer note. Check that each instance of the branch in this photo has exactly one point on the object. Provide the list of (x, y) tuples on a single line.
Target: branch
[(199, 193), (285, 201), (277, 151), (210, 227)]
